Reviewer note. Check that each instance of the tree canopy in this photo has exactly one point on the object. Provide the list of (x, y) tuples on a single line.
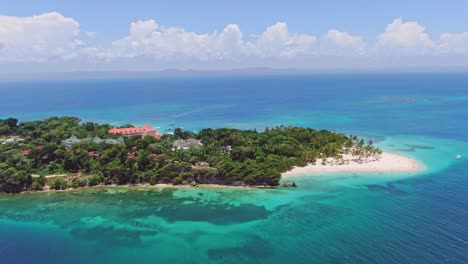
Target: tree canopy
[(230, 156)]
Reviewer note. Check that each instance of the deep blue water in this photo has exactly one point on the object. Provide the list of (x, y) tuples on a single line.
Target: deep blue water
[(345, 102), (329, 219)]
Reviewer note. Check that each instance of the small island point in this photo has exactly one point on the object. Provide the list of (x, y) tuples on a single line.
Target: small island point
[(383, 163)]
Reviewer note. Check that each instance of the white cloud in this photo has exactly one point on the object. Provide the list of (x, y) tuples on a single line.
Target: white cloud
[(148, 39), (454, 43), (341, 43), (405, 36), (90, 34), (142, 29), (230, 43), (277, 41), (37, 38), (54, 39)]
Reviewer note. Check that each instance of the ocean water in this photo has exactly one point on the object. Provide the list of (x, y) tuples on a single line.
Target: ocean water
[(338, 218)]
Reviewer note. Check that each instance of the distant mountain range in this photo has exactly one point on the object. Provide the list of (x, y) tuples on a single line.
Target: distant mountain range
[(74, 75)]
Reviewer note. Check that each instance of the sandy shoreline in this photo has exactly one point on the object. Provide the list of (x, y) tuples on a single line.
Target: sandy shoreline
[(386, 162)]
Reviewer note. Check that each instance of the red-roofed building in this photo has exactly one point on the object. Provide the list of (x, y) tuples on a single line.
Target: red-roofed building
[(26, 152), (155, 156), (144, 131), (131, 155), (94, 154)]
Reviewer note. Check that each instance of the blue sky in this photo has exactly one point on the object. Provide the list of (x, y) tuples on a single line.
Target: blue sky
[(303, 39), (365, 17)]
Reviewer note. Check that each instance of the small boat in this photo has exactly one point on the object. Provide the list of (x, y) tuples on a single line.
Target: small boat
[(171, 123), (458, 157), (169, 128)]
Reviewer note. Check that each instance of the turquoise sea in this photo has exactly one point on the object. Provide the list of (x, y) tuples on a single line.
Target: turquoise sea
[(338, 218)]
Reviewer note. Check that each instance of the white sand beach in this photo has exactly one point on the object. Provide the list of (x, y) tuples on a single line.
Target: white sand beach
[(386, 162)]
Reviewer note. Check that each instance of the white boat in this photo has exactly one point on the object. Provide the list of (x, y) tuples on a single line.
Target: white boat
[(458, 157)]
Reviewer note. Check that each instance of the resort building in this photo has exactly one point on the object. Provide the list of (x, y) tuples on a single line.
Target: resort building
[(134, 154), (69, 142), (190, 143), (155, 156), (144, 131), (201, 165), (94, 154), (12, 140), (98, 140)]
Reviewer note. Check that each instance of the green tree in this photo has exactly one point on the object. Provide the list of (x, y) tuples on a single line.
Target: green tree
[(39, 183), (60, 184), (13, 181)]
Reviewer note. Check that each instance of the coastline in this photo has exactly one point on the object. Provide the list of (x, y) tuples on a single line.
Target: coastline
[(384, 163), (148, 186)]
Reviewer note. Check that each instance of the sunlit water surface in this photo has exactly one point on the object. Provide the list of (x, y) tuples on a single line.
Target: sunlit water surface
[(335, 218)]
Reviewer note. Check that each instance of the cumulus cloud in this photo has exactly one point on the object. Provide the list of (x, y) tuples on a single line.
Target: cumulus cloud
[(406, 36), (230, 43), (53, 38), (147, 38), (143, 29), (37, 38), (277, 41), (341, 43), (454, 43)]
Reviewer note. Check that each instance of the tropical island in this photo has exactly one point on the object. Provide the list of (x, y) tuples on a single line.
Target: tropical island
[(60, 153)]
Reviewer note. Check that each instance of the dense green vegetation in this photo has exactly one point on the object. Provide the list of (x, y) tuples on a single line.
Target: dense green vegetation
[(229, 156)]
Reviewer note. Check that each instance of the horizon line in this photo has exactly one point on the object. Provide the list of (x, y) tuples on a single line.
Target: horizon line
[(171, 72)]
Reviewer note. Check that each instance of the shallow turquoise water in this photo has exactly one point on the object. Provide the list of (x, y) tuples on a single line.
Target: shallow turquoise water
[(334, 218)]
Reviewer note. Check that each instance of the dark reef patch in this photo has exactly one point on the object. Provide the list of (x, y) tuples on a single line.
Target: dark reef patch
[(111, 236), (254, 247), (389, 187), (412, 148), (215, 214)]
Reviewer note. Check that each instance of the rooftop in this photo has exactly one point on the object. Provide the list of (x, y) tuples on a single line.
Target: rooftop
[(130, 130), (69, 142), (187, 144), (146, 130)]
